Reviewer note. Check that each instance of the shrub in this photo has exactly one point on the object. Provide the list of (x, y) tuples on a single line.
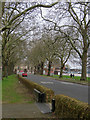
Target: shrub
[(71, 108), (31, 85)]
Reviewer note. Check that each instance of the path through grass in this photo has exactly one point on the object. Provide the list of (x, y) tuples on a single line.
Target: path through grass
[(15, 92)]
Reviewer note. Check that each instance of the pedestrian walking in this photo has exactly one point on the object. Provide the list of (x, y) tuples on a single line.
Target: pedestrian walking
[(71, 75)]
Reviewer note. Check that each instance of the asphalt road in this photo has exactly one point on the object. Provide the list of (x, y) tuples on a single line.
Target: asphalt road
[(73, 90)]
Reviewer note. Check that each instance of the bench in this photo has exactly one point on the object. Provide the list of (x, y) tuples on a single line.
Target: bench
[(39, 96)]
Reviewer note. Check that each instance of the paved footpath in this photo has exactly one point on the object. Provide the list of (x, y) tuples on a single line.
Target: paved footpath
[(23, 111)]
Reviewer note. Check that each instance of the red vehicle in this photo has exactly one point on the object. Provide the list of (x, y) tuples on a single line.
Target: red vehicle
[(24, 74)]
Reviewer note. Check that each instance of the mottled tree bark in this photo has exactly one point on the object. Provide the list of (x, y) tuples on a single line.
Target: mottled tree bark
[(84, 68)]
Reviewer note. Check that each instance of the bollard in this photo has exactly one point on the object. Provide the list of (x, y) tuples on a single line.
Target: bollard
[(53, 105)]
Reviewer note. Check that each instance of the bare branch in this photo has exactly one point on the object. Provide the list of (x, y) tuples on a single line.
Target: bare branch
[(25, 11)]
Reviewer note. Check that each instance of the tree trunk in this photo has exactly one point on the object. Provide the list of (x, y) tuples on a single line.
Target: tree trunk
[(28, 68), (49, 68), (10, 69), (31, 69), (42, 64), (18, 68), (38, 69), (61, 68), (35, 71), (61, 71), (15, 71), (5, 71), (84, 64), (84, 56)]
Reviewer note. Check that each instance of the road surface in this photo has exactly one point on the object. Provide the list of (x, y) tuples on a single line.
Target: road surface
[(73, 90)]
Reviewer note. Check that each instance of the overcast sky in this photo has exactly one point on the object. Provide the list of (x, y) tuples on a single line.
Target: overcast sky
[(50, 1)]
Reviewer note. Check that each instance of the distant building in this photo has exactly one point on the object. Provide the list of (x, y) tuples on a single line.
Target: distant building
[(57, 71), (74, 70)]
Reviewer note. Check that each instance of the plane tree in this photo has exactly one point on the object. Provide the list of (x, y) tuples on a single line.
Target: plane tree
[(35, 55), (13, 14), (49, 48), (39, 56), (63, 51), (12, 53), (42, 50), (73, 19)]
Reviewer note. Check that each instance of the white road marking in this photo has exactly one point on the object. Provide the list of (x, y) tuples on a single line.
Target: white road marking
[(67, 83), (42, 111), (46, 82)]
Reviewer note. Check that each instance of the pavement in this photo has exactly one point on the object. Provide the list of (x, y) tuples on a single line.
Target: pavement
[(44, 107), (77, 91), (34, 110)]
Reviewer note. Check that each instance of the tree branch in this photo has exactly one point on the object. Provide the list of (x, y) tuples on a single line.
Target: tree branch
[(25, 11)]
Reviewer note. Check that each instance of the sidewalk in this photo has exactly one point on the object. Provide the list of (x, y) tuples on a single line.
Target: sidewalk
[(23, 111)]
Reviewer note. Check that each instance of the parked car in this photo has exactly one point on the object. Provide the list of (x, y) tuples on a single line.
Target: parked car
[(24, 74), (79, 72), (21, 71)]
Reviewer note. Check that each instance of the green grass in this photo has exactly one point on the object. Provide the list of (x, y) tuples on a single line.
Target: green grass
[(67, 78), (14, 92), (0, 91)]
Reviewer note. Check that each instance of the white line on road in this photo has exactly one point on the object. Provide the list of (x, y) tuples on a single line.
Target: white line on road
[(67, 83), (46, 82)]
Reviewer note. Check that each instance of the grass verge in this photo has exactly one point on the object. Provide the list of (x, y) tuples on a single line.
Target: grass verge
[(15, 92)]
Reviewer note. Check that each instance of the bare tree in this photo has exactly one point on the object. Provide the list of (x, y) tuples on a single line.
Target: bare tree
[(13, 15), (63, 51), (49, 49), (77, 22)]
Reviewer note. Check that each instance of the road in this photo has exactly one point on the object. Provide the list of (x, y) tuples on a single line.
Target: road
[(73, 90)]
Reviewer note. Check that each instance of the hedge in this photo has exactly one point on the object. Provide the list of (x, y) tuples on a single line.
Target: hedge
[(67, 107), (31, 85)]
